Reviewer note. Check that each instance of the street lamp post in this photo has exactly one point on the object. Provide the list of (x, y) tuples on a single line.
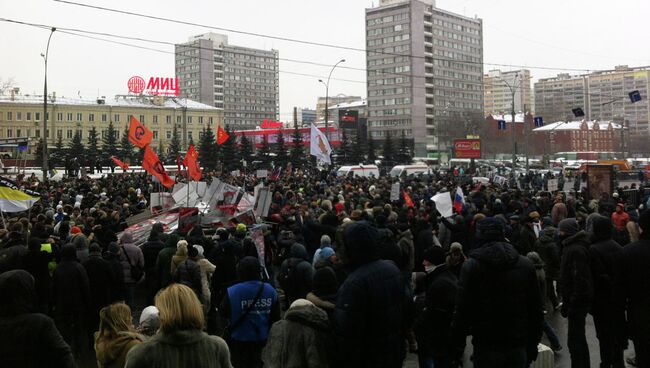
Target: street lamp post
[(47, 51), (327, 88), (513, 90)]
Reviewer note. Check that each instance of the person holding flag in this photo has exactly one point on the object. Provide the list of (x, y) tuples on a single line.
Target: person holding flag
[(459, 200)]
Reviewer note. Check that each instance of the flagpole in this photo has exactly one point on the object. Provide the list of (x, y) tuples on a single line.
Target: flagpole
[(3, 219)]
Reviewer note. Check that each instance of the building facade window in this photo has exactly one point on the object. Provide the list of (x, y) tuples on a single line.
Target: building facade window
[(155, 119), (59, 116), (29, 116), (116, 118), (168, 119), (69, 134), (19, 116), (91, 117), (155, 134), (142, 119), (80, 116), (104, 118), (69, 116)]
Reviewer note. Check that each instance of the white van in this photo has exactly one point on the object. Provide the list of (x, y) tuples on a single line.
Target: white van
[(406, 170), (365, 171)]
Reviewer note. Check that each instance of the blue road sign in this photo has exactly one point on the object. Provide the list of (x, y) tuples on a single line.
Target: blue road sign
[(539, 121), (635, 96), (501, 124)]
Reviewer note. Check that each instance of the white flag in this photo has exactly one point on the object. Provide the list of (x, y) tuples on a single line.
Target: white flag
[(319, 146)]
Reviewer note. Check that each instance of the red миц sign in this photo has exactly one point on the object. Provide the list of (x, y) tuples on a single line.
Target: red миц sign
[(156, 86), (467, 148)]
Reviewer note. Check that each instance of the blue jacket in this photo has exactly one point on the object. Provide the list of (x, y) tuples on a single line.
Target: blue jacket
[(256, 325)]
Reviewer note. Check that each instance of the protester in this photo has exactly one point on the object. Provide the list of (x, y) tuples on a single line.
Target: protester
[(149, 321), (541, 281), (181, 341), (362, 342), (607, 310), (116, 336), (132, 266), (634, 284), (28, 339), (251, 307), (301, 339), (576, 287), (498, 302), (433, 325)]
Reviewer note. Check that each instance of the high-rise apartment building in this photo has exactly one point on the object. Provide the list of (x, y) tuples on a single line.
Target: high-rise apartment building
[(609, 100), (241, 80), (425, 72), (556, 97), (498, 88)]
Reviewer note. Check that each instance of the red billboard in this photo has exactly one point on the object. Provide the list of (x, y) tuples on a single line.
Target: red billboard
[(467, 148), (156, 86)]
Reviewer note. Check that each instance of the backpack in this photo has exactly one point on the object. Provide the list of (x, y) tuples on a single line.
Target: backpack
[(188, 273)]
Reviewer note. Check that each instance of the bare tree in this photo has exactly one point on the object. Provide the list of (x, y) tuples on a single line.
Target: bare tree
[(6, 85)]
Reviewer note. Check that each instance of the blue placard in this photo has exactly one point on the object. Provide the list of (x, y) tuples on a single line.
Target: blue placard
[(501, 124), (539, 121), (635, 96)]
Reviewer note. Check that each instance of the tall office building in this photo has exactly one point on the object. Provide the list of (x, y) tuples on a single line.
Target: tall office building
[(425, 72), (556, 97), (498, 88), (243, 81)]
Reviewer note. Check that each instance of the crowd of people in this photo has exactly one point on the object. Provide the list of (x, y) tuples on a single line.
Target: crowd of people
[(346, 277)]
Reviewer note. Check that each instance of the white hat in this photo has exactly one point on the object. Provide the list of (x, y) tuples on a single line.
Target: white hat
[(301, 303)]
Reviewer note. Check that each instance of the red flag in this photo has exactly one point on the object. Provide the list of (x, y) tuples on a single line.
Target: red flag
[(407, 199), (222, 136), (270, 124), (192, 163), (152, 164), (119, 163), (139, 135), (178, 165)]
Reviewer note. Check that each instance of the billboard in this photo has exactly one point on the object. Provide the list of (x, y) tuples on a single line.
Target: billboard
[(600, 179), (467, 148), (348, 119)]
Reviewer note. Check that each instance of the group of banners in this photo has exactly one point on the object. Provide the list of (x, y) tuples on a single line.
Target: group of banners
[(140, 136)]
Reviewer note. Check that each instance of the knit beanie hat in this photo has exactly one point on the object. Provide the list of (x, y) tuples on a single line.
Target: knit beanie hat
[(601, 228), (248, 269), (326, 253), (325, 241), (300, 303), (325, 282), (490, 229), (568, 226), (435, 255), (75, 230), (150, 318)]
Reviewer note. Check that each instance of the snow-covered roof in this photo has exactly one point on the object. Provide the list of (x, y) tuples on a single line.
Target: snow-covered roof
[(576, 125), (519, 118), (349, 105), (117, 101)]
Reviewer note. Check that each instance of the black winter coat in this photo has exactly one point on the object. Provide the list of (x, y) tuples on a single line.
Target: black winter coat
[(71, 292), (577, 285), (102, 282), (188, 273), (634, 284), (28, 340), (296, 274), (498, 300), (433, 327), (549, 252), (370, 316), (36, 263), (605, 258)]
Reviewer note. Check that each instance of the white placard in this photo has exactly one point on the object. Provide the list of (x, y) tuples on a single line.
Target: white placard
[(443, 204), (552, 185), (394, 192), (262, 173)]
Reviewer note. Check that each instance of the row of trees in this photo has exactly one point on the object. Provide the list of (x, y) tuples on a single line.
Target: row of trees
[(227, 156)]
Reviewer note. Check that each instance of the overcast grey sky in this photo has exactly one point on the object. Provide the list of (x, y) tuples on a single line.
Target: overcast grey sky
[(580, 34)]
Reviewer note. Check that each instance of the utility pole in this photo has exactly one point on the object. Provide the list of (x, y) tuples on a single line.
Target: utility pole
[(45, 137), (295, 116)]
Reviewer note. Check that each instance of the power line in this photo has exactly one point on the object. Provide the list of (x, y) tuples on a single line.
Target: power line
[(304, 42)]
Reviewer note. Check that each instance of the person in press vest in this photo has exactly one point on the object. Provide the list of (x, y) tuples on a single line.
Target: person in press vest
[(251, 306)]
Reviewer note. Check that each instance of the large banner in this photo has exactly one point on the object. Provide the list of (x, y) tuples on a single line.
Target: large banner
[(467, 148), (600, 179)]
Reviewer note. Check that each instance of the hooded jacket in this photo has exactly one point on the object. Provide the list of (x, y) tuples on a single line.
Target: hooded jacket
[(71, 286), (373, 306), (498, 300), (112, 353), (549, 252), (28, 340), (296, 274), (576, 281), (135, 257), (301, 339)]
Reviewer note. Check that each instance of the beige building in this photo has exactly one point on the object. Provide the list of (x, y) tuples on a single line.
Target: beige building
[(20, 116), (497, 95), (331, 101)]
